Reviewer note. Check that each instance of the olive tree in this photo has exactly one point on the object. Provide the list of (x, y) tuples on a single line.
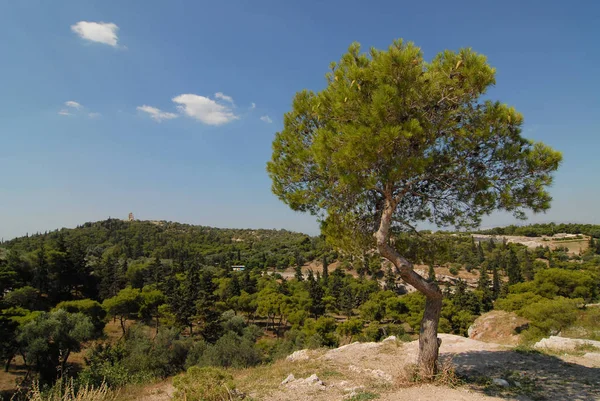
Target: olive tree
[(394, 140)]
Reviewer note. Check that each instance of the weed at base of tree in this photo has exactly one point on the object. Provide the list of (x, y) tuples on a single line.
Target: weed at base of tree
[(446, 375)]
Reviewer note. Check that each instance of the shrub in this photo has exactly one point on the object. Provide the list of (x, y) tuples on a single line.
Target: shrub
[(104, 366), (372, 332), (274, 349), (195, 353), (161, 357), (515, 302), (88, 307), (231, 350), (350, 328), (550, 316), (204, 384)]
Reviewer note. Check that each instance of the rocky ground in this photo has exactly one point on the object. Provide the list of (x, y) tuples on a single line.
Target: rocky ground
[(363, 371)]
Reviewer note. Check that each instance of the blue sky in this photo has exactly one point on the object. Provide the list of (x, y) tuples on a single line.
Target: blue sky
[(105, 154)]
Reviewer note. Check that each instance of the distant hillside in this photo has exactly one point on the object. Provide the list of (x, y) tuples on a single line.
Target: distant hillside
[(549, 229), (170, 240)]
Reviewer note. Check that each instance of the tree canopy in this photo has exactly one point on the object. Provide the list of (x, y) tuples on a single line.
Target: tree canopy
[(394, 140)]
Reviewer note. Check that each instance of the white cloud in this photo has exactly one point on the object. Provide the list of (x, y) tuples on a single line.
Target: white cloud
[(204, 109), (266, 119), (99, 32), (157, 114), (222, 96), (75, 109), (73, 104), (252, 106)]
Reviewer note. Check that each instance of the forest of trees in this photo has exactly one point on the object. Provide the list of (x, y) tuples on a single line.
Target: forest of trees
[(175, 301), (549, 229)]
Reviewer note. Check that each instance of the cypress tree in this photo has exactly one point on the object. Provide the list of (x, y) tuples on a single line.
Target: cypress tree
[(207, 312), (495, 282), (527, 266), (480, 254), (513, 270), (431, 274), (390, 280), (298, 273)]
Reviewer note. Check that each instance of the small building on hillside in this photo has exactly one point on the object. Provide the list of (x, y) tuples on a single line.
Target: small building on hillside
[(239, 268)]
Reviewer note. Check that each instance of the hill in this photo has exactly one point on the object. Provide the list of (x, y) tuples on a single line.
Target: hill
[(126, 302), (171, 240)]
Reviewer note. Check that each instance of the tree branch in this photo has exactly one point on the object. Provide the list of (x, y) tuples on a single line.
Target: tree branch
[(404, 267)]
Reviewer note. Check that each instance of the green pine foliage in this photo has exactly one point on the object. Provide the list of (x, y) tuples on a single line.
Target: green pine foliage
[(180, 312)]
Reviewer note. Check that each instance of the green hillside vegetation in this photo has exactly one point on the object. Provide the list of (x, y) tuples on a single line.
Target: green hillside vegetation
[(537, 230), (176, 303)]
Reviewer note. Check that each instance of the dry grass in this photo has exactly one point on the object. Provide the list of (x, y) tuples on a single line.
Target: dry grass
[(67, 392), (446, 375), (9, 380), (263, 380)]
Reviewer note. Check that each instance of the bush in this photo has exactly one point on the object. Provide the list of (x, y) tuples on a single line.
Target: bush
[(274, 349), (372, 332), (204, 384), (161, 357), (88, 307), (104, 365), (231, 350), (550, 316), (195, 354), (515, 302)]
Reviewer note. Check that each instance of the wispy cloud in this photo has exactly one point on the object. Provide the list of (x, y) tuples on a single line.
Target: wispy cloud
[(76, 108), (204, 109), (252, 106), (99, 32), (222, 96), (266, 119), (73, 104), (157, 114)]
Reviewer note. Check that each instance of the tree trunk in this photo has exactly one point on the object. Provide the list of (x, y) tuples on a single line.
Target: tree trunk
[(8, 362), (429, 343)]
